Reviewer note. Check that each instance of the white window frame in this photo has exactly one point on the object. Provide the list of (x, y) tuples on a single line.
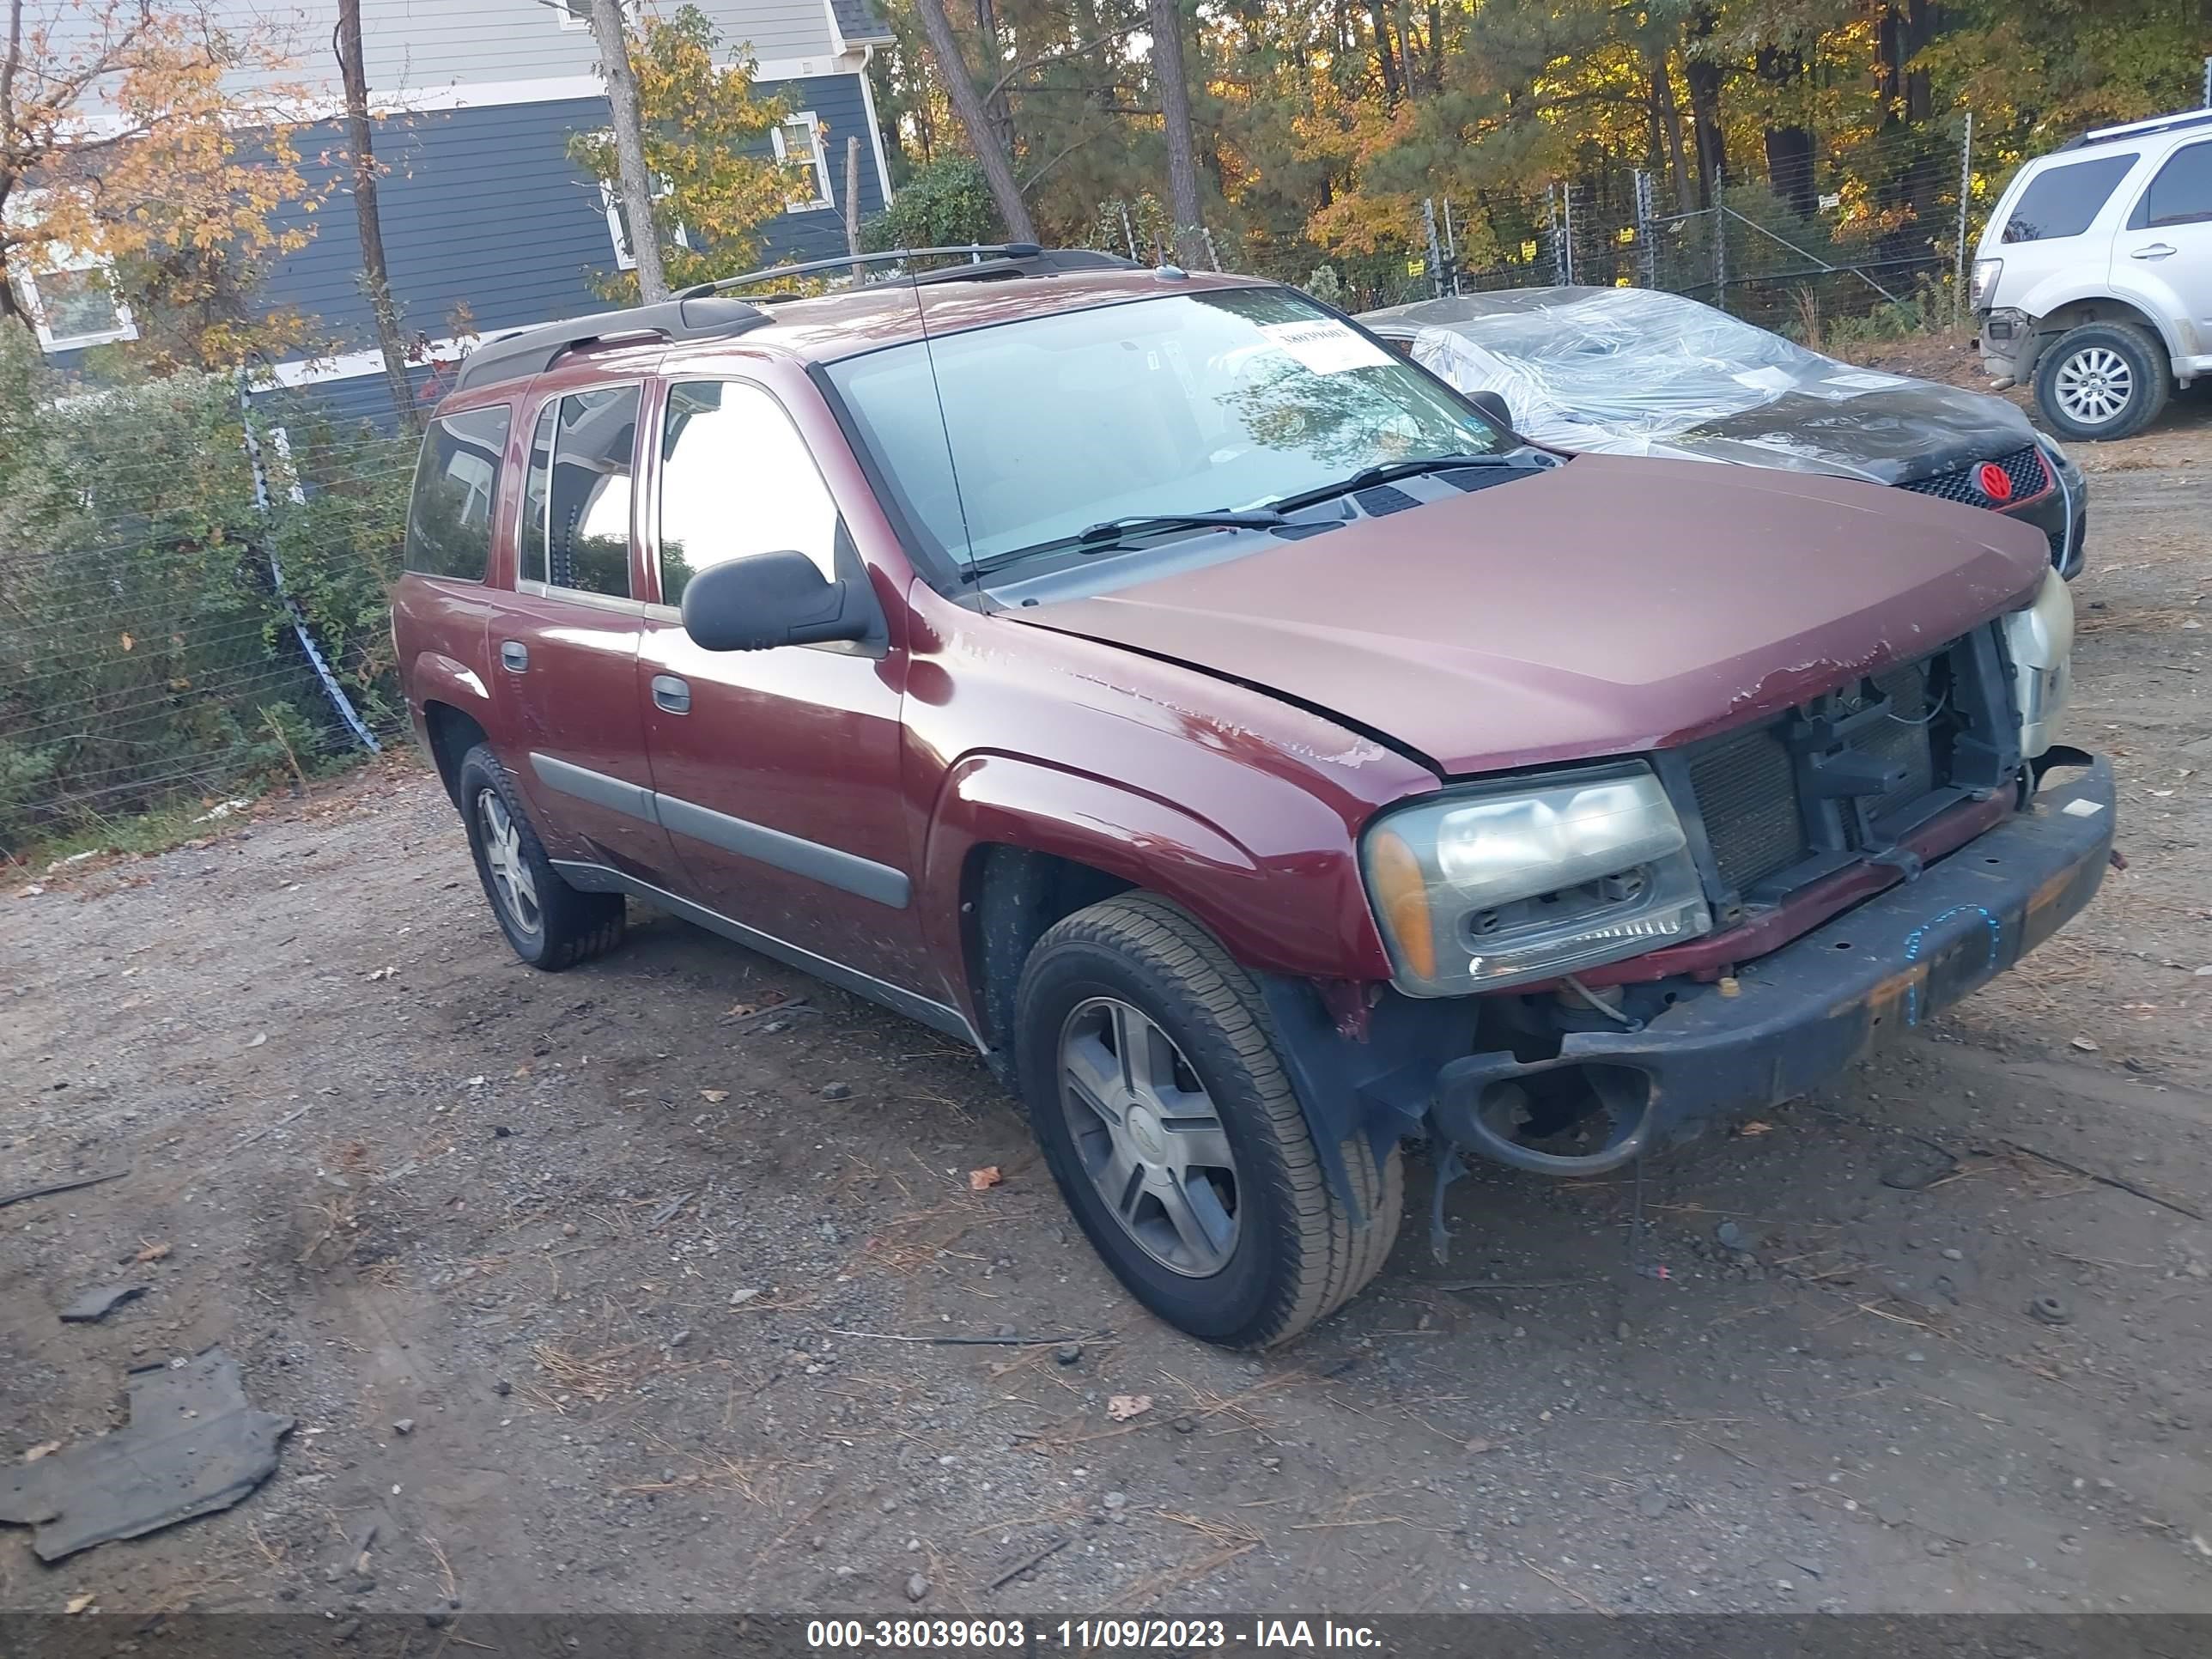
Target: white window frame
[(821, 160), (63, 259), (570, 23), (611, 200)]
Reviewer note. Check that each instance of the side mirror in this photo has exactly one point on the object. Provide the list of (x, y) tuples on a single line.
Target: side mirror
[(1494, 408), (771, 599)]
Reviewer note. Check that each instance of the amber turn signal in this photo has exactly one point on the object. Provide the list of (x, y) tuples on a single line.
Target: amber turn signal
[(1402, 896)]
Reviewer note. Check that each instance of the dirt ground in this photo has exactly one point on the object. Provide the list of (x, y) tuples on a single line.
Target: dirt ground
[(641, 1263)]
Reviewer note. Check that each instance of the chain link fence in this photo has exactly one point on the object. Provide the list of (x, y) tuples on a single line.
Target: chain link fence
[(1868, 238), (193, 593)]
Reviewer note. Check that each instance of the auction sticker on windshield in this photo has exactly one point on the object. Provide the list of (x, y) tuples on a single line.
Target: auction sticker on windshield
[(1326, 346)]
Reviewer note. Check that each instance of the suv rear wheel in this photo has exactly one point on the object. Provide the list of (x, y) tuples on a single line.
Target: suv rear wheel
[(1165, 1116), (2102, 381), (550, 924)]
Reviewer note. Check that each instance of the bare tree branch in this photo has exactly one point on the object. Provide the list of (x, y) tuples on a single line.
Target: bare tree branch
[(1044, 59)]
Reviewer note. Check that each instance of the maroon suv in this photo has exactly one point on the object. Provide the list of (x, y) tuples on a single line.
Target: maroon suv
[(1257, 752)]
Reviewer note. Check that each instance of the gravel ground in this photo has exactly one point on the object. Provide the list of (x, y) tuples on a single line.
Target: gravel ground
[(615, 1289)]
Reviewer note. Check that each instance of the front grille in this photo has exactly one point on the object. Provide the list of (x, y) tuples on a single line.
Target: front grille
[(2023, 466), (1748, 792), (1753, 788), (1897, 741)]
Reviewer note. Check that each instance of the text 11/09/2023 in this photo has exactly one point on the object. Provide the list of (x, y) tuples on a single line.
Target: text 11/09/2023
[(1150, 1635)]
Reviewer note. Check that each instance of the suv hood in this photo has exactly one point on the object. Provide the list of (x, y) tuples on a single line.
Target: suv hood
[(1605, 607)]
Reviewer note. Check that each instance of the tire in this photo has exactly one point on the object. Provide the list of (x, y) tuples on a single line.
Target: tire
[(2102, 381), (1291, 1254), (550, 925)]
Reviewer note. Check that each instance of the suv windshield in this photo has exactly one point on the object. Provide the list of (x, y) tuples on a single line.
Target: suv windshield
[(1188, 403)]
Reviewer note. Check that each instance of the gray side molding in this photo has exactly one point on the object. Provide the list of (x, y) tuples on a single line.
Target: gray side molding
[(832, 866), (596, 788), (827, 864)]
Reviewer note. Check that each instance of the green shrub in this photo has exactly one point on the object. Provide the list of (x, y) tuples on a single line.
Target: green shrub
[(947, 204), (140, 632)]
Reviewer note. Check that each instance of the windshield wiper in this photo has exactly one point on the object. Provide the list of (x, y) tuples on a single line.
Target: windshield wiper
[(1114, 530), (1117, 533), (1384, 472)]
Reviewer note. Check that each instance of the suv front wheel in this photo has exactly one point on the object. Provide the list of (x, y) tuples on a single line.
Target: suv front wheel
[(2102, 381), (1171, 1126)]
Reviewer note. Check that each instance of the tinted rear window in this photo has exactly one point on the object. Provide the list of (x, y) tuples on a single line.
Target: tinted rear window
[(2063, 202), (456, 491)]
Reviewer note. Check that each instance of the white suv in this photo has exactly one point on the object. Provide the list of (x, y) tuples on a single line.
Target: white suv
[(2094, 277)]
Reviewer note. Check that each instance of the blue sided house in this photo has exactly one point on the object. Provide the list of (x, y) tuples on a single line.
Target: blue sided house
[(488, 225)]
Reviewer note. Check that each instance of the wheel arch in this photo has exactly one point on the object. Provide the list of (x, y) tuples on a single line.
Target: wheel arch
[(1015, 843), (453, 710), (2055, 317), (449, 732)]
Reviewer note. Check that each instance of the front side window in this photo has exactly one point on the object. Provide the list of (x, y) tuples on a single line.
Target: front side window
[(1186, 403), (736, 479), (587, 491), (2065, 201), (2182, 193), (456, 492)]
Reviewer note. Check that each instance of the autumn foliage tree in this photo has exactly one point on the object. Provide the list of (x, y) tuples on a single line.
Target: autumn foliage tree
[(148, 137), (705, 137)]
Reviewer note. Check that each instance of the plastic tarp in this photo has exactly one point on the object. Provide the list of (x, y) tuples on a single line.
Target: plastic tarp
[(1632, 371)]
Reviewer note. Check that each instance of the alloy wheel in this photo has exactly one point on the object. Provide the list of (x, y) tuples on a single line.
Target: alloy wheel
[(2094, 385), (512, 885), (1149, 1138)]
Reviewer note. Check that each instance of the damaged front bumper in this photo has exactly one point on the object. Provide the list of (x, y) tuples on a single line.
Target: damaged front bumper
[(1790, 1021), (2008, 345)]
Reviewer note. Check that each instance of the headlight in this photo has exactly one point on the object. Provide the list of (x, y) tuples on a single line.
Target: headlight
[(1986, 272), (1481, 888), (2041, 641)]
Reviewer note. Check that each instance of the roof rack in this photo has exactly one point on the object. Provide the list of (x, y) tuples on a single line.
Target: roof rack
[(697, 314), (985, 261), (2193, 118)]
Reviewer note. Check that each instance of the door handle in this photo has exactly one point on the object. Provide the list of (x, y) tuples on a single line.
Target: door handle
[(513, 656), (670, 694), (2155, 251)]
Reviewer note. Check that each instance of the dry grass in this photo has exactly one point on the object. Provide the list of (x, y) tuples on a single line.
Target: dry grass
[(596, 1378), (1237, 1407), (2116, 618), (449, 1584), (758, 1480), (1221, 1542)]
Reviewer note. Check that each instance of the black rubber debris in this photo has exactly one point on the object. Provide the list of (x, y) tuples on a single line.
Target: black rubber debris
[(193, 1446), (93, 1306)]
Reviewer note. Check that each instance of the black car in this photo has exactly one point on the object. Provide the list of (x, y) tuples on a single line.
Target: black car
[(1636, 372)]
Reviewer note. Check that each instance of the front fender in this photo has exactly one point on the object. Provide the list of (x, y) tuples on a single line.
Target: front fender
[(1292, 907), (2054, 293)]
